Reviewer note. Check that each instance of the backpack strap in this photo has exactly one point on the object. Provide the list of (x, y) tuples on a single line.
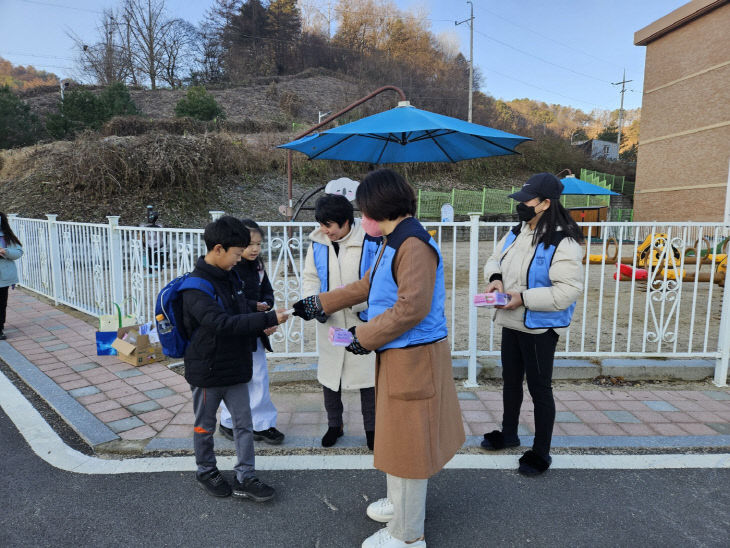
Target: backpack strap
[(193, 282)]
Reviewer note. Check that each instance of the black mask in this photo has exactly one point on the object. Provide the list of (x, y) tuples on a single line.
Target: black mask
[(525, 213)]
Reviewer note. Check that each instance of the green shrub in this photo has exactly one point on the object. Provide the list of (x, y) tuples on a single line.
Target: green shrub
[(81, 109), (117, 101), (18, 125), (199, 104)]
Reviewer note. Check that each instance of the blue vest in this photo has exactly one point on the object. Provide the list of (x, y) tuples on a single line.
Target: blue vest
[(367, 259), (384, 288), (538, 275)]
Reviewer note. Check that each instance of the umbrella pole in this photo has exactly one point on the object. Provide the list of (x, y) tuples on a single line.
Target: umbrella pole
[(324, 122), (290, 204)]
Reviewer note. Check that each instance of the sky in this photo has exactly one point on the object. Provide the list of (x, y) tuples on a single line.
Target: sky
[(560, 51)]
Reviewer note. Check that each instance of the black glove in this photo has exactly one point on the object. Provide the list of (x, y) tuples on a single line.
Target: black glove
[(355, 347), (321, 317), (308, 307)]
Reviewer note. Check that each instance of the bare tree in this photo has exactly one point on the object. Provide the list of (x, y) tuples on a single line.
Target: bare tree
[(148, 29), (105, 61), (178, 47)]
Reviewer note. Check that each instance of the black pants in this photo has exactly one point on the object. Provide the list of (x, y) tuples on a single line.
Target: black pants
[(3, 305), (531, 355), (333, 406)]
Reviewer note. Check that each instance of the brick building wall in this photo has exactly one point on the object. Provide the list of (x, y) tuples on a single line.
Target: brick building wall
[(684, 144)]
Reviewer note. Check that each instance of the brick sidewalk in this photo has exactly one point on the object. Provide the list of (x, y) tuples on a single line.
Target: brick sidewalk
[(154, 403)]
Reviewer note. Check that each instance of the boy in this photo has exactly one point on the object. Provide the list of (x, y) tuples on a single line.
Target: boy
[(218, 363)]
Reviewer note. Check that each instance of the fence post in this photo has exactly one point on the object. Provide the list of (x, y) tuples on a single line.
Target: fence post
[(724, 337), (474, 269), (54, 250), (721, 364), (115, 260), (12, 221), (215, 215)]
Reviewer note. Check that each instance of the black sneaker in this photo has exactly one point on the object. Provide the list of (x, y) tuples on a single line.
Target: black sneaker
[(3, 336), (271, 436), (214, 483), (252, 488), (226, 432)]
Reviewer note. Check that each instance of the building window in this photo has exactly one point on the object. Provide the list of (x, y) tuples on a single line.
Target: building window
[(606, 149)]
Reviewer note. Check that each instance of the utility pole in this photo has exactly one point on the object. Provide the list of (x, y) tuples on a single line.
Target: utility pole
[(471, 51), (622, 83)]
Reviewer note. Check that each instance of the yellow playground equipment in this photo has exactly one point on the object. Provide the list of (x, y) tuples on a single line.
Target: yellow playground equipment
[(652, 254)]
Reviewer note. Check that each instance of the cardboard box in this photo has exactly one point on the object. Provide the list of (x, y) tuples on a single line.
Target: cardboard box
[(137, 350)]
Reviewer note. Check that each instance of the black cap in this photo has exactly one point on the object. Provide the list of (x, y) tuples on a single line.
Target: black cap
[(543, 185)]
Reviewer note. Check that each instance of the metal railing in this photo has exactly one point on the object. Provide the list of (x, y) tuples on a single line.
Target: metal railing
[(678, 310)]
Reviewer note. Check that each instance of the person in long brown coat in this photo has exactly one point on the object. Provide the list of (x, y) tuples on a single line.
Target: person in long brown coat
[(418, 419)]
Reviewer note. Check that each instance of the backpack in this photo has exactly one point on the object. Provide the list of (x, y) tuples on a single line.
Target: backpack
[(173, 338)]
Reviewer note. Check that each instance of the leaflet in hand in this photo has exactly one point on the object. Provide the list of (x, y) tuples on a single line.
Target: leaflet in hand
[(340, 337), (491, 299)]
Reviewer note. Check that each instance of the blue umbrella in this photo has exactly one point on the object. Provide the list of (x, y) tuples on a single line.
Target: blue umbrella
[(407, 134), (573, 185)]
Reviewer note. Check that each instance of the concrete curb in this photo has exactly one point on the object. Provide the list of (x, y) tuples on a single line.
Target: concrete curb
[(563, 369), (46, 444), (91, 429)]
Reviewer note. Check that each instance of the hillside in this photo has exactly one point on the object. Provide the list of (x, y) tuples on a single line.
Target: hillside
[(313, 91), (238, 170)]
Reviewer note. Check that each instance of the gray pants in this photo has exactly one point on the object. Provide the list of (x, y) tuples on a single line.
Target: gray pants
[(409, 507), (205, 406)]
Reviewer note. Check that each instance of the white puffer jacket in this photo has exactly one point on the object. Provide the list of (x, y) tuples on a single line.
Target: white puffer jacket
[(566, 274), (336, 365)]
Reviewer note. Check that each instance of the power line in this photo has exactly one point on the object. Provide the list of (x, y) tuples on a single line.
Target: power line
[(58, 6), (546, 37), (545, 89), (38, 56), (384, 16), (542, 59)]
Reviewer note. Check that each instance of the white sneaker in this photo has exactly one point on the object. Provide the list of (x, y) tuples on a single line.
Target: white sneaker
[(381, 510), (383, 539)]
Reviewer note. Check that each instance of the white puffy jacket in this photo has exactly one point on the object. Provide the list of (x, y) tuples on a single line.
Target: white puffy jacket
[(335, 364), (566, 274)]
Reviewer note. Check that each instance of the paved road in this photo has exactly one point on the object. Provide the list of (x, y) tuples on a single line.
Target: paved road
[(43, 506)]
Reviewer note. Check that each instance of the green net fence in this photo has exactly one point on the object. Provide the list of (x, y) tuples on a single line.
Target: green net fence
[(617, 183), (491, 201)]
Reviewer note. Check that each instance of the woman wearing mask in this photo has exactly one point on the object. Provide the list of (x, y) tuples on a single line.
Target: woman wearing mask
[(419, 425), (539, 264), (10, 251)]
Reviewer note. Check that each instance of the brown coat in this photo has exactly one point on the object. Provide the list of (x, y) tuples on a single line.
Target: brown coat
[(418, 419)]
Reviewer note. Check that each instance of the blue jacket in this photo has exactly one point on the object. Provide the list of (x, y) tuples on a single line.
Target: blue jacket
[(8, 270), (369, 252), (384, 288), (538, 275)]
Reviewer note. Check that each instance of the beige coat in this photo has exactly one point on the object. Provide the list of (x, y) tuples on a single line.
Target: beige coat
[(418, 418), (338, 368), (566, 275)]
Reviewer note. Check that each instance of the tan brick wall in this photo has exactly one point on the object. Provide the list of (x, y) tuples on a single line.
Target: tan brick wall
[(708, 205), (696, 159), (699, 44), (697, 102)]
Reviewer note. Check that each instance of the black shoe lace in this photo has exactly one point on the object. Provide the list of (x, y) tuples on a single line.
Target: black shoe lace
[(215, 479), (255, 483)]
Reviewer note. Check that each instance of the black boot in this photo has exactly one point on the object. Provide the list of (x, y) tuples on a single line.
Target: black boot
[(370, 437), (330, 437)]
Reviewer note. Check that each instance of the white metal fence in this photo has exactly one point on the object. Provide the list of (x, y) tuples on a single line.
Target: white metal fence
[(676, 312)]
